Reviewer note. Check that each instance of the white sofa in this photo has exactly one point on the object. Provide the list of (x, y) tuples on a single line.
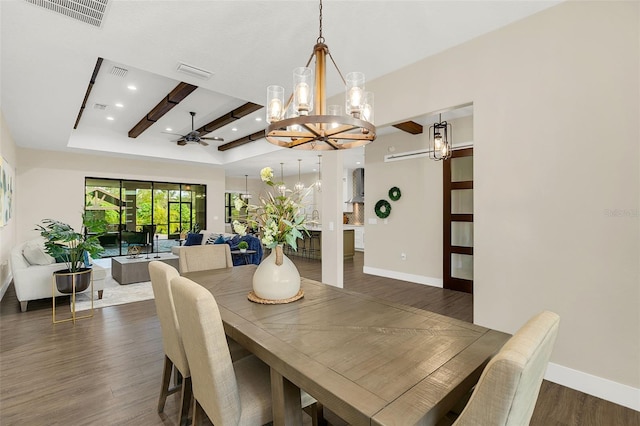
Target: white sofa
[(33, 270)]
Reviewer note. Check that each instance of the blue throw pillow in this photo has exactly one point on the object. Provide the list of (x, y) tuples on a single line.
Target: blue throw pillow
[(220, 240), (193, 240)]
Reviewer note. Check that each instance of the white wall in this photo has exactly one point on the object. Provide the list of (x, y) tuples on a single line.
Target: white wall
[(556, 179), (7, 232), (51, 185)]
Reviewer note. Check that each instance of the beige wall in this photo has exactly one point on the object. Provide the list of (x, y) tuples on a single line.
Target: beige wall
[(556, 211), (51, 184), (7, 232)]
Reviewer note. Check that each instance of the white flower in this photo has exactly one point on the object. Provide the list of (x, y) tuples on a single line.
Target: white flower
[(240, 228), (238, 203), (266, 174)]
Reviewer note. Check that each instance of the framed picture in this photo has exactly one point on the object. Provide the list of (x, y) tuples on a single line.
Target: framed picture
[(7, 186)]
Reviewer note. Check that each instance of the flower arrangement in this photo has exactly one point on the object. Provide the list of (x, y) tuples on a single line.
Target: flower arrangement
[(281, 216)]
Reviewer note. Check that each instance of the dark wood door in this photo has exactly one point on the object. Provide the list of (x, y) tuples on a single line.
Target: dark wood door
[(458, 221)]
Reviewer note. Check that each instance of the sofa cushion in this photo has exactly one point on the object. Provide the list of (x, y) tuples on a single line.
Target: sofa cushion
[(35, 253), (194, 239), (211, 239), (220, 240)]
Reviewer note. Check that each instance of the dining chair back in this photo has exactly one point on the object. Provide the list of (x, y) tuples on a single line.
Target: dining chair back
[(508, 388), (161, 275), (229, 393), (205, 257)]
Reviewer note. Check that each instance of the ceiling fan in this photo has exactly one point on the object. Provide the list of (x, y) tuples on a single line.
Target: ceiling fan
[(194, 136)]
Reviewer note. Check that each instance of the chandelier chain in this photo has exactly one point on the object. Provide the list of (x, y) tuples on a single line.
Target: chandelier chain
[(320, 37)]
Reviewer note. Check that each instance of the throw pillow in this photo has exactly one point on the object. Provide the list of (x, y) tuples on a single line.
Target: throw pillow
[(212, 238), (35, 254), (193, 240), (220, 240)]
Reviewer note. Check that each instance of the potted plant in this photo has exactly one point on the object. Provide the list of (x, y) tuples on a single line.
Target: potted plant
[(73, 249), (243, 246)]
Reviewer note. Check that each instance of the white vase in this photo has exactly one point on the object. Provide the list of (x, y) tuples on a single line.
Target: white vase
[(276, 282)]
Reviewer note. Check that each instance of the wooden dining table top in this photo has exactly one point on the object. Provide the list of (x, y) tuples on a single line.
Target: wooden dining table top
[(368, 360)]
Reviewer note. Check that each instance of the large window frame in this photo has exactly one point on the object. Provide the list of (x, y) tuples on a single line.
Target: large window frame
[(152, 215)]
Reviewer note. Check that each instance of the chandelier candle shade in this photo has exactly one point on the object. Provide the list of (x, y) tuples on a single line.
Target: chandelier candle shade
[(299, 186), (305, 122)]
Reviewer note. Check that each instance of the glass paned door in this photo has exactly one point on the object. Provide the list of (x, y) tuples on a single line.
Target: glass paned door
[(458, 221)]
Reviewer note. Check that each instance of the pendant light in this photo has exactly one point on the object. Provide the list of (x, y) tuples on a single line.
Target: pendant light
[(319, 181), (299, 186), (246, 195), (292, 125), (282, 188), (440, 140)]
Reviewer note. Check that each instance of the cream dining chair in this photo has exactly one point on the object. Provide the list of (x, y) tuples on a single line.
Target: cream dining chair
[(205, 257), (175, 359), (174, 356), (508, 388), (230, 393)]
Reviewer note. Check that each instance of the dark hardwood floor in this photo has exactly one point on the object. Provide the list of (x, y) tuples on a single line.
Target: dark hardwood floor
[(106, 370)]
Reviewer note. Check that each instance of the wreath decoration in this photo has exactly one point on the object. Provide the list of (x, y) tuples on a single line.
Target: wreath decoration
[(394, 193), (383, 209)]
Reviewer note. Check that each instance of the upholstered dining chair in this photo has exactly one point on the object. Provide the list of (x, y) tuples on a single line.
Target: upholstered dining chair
[(205, 257), (229, 393), (174, 356), (508, 388)]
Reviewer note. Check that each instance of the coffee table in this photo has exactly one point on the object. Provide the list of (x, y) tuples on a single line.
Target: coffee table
[(126, 270)]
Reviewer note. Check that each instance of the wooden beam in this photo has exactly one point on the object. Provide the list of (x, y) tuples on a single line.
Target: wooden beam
[(409, 127), (229, 117), (247, 139), (181, 91), (86, 95)]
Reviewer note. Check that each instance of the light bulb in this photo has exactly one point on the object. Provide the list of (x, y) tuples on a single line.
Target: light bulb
[(437, 141), (299, 186), (275, 110), (303, 98), (355, 99)]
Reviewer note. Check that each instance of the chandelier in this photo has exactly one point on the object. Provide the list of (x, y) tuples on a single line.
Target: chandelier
[(440, 140), (299, 186), (246, 195), (292, 125), (319, 181)]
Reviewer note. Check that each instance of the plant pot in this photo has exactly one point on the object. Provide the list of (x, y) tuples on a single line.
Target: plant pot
[(276, 282), (243, 250), (65, 280)]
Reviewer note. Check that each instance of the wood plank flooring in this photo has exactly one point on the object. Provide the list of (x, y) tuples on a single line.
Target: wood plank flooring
[(106, 370)]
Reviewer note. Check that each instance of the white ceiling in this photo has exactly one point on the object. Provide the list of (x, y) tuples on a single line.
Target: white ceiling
[(47, 60)]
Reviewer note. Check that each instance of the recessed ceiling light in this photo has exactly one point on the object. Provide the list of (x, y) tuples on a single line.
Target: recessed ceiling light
[(169, 129), (110, 118), (258, 118), (357, 162), (119, 105), (234, 129), (132, 87)]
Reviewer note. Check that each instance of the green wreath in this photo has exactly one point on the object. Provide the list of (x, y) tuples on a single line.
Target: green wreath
[(383, 209), (394, 193)]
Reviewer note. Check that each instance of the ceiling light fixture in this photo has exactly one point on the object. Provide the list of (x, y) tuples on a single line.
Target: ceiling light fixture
[(440, 140), (299, 186), (291, 125), (119, 105), (132, 87), (319, 181), (110, 118), (282, 188)]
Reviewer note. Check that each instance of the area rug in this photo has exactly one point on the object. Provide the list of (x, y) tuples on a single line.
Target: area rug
[(115, 295)]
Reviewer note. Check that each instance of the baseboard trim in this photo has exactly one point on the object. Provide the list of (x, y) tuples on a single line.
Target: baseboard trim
[(609, 390), (418, 279)]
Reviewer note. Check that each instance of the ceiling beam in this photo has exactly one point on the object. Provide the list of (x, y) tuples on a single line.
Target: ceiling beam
[(247, 139), (229, 117), (409, 127), (181, 91), (86, 95)]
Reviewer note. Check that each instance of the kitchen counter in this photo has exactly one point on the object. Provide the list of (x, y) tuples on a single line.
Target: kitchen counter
[(311, 246)]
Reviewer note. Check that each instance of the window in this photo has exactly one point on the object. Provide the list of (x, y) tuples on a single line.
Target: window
[(230, 212), (148, 214)]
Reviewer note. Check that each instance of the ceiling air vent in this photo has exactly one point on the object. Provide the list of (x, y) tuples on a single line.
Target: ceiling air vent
[(99, 106), (194, 71), (88, 11), (119, 71)]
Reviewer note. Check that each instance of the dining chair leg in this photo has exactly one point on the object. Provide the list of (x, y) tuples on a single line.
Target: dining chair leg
[(316, 412), (166, 380), (186, 394), (196, 420)]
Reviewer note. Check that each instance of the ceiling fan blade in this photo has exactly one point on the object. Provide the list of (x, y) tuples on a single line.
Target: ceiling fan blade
[(177, 134), (214, 138), (181, 142), (203, 143)]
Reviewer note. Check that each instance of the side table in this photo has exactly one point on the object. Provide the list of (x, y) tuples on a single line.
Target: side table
[(245, 255)]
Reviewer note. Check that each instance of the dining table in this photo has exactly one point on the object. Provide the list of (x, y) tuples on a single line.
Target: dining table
[(368, 360)]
